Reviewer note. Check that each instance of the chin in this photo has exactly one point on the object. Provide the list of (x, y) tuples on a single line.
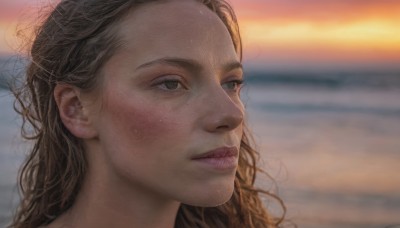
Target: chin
[(212, 196), (217, 202)]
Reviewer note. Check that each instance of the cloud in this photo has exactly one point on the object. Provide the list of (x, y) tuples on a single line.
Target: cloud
[(326, 11), (310, 31)]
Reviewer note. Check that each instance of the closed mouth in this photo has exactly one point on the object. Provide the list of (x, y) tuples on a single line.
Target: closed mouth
[(222, 152)]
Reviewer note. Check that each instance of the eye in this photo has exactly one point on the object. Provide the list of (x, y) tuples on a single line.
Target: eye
[(170, 85), (232, 85)]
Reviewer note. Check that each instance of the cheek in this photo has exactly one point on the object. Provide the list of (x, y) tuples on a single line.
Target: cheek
[(142, 123), (153, 125)]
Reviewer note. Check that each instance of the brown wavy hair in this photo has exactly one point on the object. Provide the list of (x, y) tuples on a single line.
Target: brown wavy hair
[(70, 46)]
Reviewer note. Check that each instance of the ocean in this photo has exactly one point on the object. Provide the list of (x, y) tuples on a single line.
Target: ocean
[(329, 140), (334, 153)]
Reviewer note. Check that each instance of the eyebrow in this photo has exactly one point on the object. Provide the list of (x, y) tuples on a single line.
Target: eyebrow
[(188, 64)]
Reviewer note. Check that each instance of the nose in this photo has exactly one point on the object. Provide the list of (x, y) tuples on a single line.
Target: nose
[(222, 113)]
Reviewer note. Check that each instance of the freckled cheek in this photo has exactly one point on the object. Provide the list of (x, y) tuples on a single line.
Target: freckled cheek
[(146, 124)]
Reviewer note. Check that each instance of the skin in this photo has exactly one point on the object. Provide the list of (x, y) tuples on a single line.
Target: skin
[(169, 93)]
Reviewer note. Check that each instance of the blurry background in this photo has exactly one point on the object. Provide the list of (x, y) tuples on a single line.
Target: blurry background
[(323, 99)]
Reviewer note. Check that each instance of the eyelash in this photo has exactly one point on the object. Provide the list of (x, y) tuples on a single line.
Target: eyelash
[(238, 84), (180, 85), (163, 84)]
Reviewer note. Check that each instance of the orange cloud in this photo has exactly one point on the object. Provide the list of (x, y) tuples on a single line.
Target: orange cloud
[(311, 30), (286, 30), (17, 19), (368, 34), (316, 10)]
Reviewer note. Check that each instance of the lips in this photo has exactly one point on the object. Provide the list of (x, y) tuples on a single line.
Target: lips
[(222, 152), (224, 159)]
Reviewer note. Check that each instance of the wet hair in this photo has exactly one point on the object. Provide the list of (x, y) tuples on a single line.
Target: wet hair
[(70, 46)]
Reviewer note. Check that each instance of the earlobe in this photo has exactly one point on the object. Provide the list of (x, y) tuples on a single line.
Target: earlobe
[(73, 114)]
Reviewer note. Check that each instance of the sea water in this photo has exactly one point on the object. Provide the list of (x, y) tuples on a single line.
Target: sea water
[(335, 154), (331, 144), (11, 156)]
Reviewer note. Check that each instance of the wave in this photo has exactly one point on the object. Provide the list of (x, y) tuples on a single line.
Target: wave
[(327, 80), (325, 108)]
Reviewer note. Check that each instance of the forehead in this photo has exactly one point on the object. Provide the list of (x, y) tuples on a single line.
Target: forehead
[(175, 28)]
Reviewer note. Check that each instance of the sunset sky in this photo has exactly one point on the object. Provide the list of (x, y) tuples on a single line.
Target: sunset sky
[(288, 33)]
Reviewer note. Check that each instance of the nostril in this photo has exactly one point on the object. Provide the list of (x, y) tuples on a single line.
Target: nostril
[(222, 127), (224, 114)]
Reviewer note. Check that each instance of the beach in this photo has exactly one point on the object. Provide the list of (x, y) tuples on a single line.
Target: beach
[(333, 152)]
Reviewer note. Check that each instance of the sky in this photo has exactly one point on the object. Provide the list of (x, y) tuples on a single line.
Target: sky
[(286, 34)]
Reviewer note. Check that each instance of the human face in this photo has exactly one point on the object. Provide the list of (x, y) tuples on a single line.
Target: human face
[(170, 95)]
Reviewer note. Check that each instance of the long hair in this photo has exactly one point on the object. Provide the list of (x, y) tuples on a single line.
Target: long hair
[(70, 46)]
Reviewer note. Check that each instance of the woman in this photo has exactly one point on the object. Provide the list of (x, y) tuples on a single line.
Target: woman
[(137, 119)]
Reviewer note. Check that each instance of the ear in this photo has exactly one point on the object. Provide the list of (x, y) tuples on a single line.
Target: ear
[(74, 115)]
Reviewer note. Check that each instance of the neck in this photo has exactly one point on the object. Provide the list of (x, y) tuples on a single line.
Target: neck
[(108, 201)]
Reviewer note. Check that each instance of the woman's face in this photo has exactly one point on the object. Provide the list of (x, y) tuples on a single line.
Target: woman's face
[(169, 117)]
